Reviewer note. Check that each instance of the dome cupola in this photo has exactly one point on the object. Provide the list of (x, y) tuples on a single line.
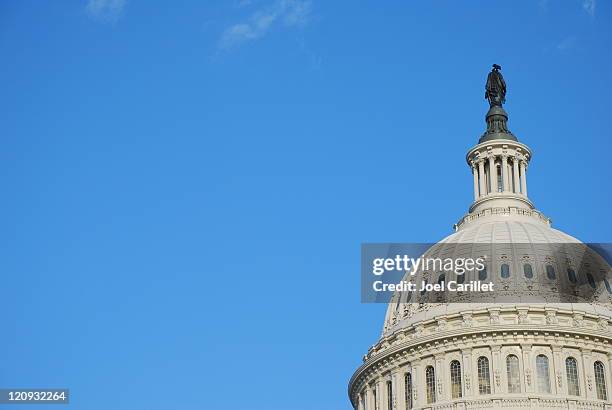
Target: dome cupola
[(499, 161)]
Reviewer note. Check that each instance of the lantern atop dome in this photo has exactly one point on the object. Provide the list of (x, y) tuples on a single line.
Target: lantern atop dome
[(499, 162)]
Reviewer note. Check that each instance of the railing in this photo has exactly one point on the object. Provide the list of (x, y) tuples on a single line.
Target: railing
[(502, 211), (557, 403)]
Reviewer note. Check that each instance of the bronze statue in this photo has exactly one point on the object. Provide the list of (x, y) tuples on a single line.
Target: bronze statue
[(496, 87)]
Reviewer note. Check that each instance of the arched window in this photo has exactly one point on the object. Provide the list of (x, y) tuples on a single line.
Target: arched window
[(571, 371), (571, 275), (591, 280), (461, 278), (505, 271), (528, 271), (455, 374), (600, 381), (482, 274), (500, 182), (441, 279), (512, 373), (550, 272), (408, 391), (430, 384), (389, 395), (543, 374), (484, 377)]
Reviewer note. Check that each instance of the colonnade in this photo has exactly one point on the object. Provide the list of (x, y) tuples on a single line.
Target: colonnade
[(499, 174), (390, 392)]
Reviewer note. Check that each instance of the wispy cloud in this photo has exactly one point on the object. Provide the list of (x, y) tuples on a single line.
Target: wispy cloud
[(289, 13), (567, 43), (106, 10), (589, 7), (243, 3)]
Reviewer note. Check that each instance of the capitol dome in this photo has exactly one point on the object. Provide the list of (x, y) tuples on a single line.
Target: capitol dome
[(541, 340)]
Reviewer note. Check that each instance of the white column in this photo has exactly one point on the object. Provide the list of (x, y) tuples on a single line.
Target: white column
[(588, 375), (556, 367), (523, 178), (560, 374), (475, 173), (481, 174), (504, 168), (441, 373), (380, 394), (419, 397), (385, 402), (360, 402), (493, 174), (509, 172), (515, 172), (370, 398), (466, 373), (496, 367), (399, 402), (528, 371)]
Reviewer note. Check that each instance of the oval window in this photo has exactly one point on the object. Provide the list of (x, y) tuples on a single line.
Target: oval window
[(550, 272), (528, 271), (609, 289), (505, 271), (482, 275), (591, 280)]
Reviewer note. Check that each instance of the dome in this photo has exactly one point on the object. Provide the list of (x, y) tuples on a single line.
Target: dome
[(515, 240), (541, 340), (510, 352)]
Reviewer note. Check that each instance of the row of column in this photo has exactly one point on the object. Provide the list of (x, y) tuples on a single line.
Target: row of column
[(486, 182), (376, 396)]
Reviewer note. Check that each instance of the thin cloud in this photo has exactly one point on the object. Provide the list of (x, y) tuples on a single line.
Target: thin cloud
[(589, 7), (567, 44), (106, 10), (244, 3), (288, 13)]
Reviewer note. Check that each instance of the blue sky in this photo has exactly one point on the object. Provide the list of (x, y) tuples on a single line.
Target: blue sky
[(186, 184)]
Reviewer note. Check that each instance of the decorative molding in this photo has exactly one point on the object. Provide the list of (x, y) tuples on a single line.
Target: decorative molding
[(497, 377), (528, 377), (510, 210)]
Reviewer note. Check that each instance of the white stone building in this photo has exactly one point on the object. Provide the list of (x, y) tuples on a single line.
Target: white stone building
[(510, 352)]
